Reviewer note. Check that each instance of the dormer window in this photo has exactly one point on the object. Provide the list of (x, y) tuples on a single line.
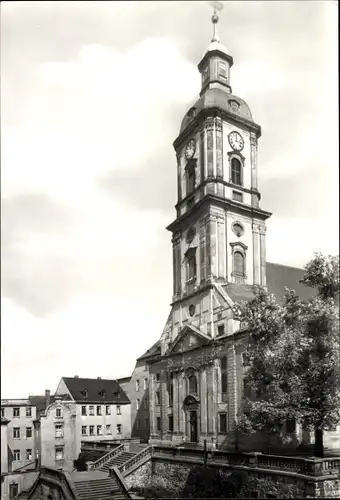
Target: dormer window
[(84, 393), (102, 394)]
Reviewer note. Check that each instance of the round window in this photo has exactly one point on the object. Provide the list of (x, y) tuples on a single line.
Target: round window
[(238, 229), (192, 309)]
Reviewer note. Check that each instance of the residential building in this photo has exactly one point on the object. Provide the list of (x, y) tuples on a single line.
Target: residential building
[(102, 409), (21, 414)]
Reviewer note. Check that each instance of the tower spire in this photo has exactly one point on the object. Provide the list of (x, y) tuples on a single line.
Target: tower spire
[(218, 6)]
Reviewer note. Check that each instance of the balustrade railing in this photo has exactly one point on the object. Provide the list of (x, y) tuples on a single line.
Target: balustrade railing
[(105, 458), (129, 464)]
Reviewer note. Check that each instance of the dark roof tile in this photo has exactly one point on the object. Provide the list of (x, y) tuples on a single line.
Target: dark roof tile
[(95, 390)]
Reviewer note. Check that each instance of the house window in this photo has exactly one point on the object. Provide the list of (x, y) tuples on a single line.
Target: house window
[(118, 410), (119, 428), (16, 412), (239, 264), (16, 455), (236, 171), (190, 202), (16, 432), (192, 384), (171, 393), (28, 432), (145, 383), (108, 429), (91, 430), (84, 430), (59, 453), (191, 180), (99, 410), (238, 196), (158, 398), (158, 423), (108, 410), (59, 431), (137, 404), (58, 412), (99, 430), (220, 330), (13, 490), (28, 411), (91, 410), (191, 267), (223, 423), (83, 410), (137, 385), (171, 423), (291, 425), (158, 377), (29, 454), (222, 70), (2, 412), (224, 377)]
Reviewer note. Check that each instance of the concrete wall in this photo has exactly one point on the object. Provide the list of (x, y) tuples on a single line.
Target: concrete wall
[(119, 414), (4, 447), (140, 425)]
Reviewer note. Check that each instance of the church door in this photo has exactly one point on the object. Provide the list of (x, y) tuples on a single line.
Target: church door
[(193, 426)]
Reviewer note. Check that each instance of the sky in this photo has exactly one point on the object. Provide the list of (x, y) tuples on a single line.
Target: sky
[(92, 97)]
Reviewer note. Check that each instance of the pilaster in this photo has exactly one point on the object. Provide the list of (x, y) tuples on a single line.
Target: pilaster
[(152, 406), (221, 246), (256, 255), (262, 231), (203, 397), (179, 179), (253, 159), (203, 250), (232, 386), (181, 411)]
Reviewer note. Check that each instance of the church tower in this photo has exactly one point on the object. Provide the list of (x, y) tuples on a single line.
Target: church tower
[(218, 236)]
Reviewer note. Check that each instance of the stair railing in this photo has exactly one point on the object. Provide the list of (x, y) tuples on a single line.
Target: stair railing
[(114, 473), (129, 464), (108, 456)]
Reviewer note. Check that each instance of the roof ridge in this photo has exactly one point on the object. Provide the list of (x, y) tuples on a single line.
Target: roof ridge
[(285, 265)]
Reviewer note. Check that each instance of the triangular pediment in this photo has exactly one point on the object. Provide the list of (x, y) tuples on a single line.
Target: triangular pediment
[(188, 338)]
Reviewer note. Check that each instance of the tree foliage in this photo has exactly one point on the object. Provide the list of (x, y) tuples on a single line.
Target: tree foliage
[(293, 357)]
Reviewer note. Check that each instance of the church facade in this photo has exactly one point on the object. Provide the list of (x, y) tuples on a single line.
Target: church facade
[(195, 386)]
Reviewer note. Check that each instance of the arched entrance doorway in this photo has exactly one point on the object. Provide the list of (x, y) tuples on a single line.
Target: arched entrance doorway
[(191, 408)]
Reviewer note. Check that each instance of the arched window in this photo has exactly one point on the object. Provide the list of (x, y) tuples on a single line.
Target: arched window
[(192, 267), (239, 269), (236, 172), (192, 384)]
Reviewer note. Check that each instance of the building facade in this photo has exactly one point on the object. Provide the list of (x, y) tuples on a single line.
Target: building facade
[(102, 408), (219, 251)]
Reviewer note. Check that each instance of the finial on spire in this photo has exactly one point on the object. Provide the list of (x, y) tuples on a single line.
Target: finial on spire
[(218, 6)]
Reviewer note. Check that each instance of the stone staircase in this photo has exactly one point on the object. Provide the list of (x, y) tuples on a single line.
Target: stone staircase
[(97, 485), (99, 489), (117, 460)]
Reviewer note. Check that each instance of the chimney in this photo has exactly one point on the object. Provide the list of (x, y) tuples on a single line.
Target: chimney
[(47, 397), (99, 378), (76, 376)]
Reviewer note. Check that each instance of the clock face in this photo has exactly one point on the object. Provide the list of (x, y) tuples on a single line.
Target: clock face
[(190, 149), (236, 141)]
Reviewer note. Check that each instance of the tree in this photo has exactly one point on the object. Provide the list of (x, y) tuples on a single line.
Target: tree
[(293, 355), (80, 463)]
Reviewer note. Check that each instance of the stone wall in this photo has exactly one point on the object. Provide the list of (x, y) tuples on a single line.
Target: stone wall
[(172, 475)]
